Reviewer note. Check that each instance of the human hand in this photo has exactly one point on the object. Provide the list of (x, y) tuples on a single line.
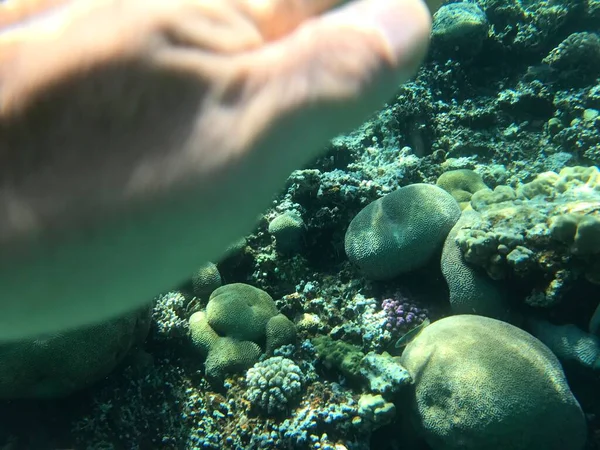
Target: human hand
[(138, 138)]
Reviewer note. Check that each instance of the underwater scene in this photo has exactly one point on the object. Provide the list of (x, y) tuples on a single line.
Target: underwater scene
[(430, 282)]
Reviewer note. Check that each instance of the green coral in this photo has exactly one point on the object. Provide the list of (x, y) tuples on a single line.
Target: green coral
[(279, 331), (459, 29), (568, 342), (581, 232), (222, 354), (340, 355), (59, 364), (578, 56), (484, 384), (287, 229), (229, 355), (238, 320), (206, 279), (240, 311), (401, 231), (461, 184), (381, 373), (578, 181), (485, 197), (471, 292)]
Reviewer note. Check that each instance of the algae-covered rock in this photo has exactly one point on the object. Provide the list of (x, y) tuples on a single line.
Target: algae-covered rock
[(484, 384), (380, 373), (459, 29)]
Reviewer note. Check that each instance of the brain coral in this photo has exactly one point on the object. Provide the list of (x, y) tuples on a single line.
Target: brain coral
[(60, 364), (471, 291), (206, 279), (287, 229), (484, 384), (461, 184), (240, 311), (238, 320), (401, 231)]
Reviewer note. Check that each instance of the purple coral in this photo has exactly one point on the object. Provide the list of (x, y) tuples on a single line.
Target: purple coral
[(402, 315)]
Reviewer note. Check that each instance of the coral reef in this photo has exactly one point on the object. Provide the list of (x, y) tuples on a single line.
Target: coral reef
[(206, 279), (401, 316), (237, 319), (59, 364), (287, 230), (504, 115), (170, 317), (461, 184), (546, 233), (273, 384), (471, 292), (401, 231), (482, 383)]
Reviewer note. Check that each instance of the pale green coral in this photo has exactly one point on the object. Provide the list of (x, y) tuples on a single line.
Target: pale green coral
[(568, 342), (206, 279), (239, 318), (484, 384), (461, 184), (376, 410), (471, 292), (401, 231), (229, 355), (459, 29), (59, 364), (240, 311), (222, 354), (581, 232), (279, 331), (484, 197), (287, 230)]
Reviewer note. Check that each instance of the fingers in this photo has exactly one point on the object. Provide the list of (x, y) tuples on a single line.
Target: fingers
[(275, 18), (371, 45), (324, 78), (13, 11), (214, 27)]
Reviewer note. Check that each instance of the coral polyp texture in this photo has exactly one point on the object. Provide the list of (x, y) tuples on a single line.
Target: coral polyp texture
[(401, 315), (238, 320), (273, 384), (401, 231), (482, 383)]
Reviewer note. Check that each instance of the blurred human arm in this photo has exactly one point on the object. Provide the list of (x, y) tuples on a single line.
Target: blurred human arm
[(138, 138)]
